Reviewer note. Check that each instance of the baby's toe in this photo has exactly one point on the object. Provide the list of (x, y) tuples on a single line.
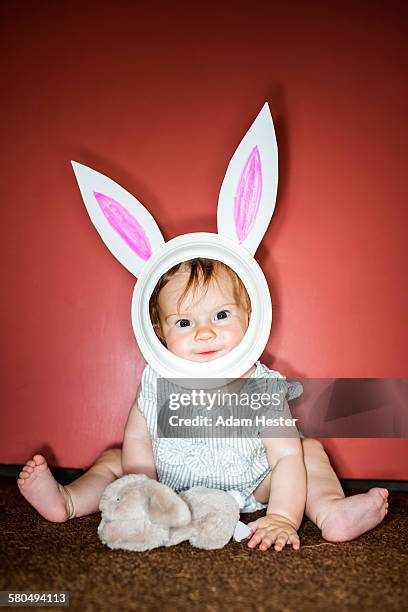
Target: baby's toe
[(38, 459), (383, 493), (23, 477), (378, 496)]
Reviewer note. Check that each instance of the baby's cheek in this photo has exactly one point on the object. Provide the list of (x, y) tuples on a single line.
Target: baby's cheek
[(175, 344), (239, 330)]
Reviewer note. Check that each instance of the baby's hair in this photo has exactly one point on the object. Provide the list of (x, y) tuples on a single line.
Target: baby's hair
[(202, 272)]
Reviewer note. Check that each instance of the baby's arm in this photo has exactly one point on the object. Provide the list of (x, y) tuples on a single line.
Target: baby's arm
[(287, 496), (137, 452)]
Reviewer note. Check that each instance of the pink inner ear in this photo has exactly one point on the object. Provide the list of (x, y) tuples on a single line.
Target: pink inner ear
[(248, 195), (128, 228)]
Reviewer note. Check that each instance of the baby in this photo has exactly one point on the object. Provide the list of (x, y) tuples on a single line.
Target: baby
[(200, 310)]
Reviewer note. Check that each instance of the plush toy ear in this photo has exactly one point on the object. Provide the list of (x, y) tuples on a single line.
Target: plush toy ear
[(124, 224), (167, 508), (248, 192)]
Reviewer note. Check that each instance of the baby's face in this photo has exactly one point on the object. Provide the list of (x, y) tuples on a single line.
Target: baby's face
[(209, 323)]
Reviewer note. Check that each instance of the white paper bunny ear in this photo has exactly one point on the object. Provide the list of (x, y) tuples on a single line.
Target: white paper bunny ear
[(124, 224), (248, 192)]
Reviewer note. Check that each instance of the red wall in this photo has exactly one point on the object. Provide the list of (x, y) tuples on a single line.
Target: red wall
[(158, 98)]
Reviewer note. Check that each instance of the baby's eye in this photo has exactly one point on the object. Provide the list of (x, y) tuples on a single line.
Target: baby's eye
[(183, 323), (222, 314)]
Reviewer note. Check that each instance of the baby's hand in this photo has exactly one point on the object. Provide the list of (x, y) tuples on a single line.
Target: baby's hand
[(273, 529)]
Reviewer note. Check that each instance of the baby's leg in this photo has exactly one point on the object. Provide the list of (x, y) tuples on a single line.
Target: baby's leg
[(340, 518), (81, 497)]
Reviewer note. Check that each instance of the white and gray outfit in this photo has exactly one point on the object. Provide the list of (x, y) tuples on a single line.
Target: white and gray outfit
[(235, 464)]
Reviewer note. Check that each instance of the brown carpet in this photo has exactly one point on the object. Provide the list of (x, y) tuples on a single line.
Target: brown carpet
[(367, 574)]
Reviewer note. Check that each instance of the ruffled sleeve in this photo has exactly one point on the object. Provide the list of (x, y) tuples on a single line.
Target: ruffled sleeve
[(276, 420), (147, 402), (294, 389), (291, 388)]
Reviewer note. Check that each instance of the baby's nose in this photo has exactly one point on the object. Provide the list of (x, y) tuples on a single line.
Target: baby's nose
[(204, 332)]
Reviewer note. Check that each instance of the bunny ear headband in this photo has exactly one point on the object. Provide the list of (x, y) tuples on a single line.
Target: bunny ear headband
[(245, 206)]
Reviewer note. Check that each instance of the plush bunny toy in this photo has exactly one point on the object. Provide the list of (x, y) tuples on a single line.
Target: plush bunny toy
[(141, 514), (245, 207)]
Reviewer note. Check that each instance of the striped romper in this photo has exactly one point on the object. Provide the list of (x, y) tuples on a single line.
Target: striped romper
[(236, 465)]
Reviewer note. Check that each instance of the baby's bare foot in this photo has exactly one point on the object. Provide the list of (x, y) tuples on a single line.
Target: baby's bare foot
[(42, 491), (350, 517)]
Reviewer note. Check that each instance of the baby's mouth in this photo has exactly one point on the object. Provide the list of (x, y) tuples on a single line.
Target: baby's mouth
[(208, 353)]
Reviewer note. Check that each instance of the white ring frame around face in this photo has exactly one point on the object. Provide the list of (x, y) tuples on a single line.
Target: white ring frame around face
[(210, 246)]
